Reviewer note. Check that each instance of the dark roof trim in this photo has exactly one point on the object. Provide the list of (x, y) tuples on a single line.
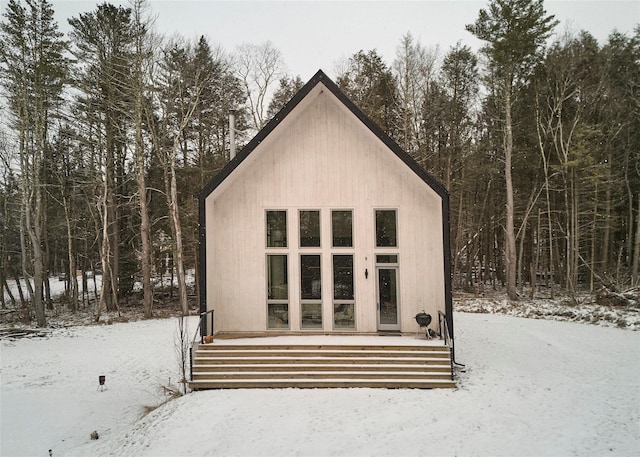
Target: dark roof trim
[(321, 77)]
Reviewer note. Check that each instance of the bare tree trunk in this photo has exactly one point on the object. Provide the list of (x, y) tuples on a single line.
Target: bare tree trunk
[(575, 234), (182, 344), (5, 285), (175, 219), (114, 248), (73, 279), (145, 231), (523, 236), (533, 198), (629, 251), (46, 273), (107, 288), (35, 234), (24, 252), (104, 251), (536, 264), (606, 236), (459, 233), (593, 241), (510, 239), (23, 300), (636, 248)]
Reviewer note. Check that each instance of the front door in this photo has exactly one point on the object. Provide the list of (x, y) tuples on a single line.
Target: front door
[(388, 307)]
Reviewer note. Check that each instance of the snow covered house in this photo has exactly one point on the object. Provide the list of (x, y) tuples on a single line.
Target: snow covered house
[(323, 225)]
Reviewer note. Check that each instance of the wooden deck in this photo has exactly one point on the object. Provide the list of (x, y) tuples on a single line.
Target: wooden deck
[(322, 362)]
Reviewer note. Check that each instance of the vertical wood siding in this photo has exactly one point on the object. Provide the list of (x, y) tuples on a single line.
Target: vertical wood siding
[(321, 157)]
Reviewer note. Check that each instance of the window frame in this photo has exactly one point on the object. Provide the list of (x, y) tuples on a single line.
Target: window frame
[(343, 302), (300, 211), (271, 302), (267, 229), (353, 241), (375, 228)]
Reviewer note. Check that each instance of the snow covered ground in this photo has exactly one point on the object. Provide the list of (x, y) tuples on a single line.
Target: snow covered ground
[(584, 307), (531, 387)]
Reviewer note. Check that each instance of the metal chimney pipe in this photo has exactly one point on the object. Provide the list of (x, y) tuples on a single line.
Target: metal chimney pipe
[(232, 134)]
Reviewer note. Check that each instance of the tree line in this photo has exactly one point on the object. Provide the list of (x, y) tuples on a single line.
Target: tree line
[(110, 133)]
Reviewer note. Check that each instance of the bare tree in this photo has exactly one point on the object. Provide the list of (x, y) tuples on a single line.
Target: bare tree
[(182, 344), (415, 69), (259, 67)]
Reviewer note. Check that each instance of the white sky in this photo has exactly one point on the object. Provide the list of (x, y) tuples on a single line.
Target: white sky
[(316, 35)]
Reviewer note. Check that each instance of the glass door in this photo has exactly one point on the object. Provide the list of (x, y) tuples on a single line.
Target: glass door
[(388, 309)]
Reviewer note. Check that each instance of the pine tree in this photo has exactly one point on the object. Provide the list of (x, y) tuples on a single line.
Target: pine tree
[(103, 46), (515, 32), (370, 84), (34, 70), (288, 87)]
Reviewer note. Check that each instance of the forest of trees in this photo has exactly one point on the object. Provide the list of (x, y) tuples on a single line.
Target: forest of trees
[(109, 133)]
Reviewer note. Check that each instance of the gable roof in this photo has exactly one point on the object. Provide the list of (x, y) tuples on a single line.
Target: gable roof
[(321, 77)]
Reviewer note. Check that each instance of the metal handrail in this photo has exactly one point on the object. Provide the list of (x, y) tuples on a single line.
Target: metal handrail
[(447, 338), (193, 342), (443, 317), (202, 315)]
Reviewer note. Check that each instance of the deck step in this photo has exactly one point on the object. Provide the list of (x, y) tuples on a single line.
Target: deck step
[(226, 365), (319, 375), (315, 353), (316, 360), (225, 346), (322, 383), (261, 368)]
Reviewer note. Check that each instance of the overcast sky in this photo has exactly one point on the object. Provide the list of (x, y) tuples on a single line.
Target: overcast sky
[(316, 35)]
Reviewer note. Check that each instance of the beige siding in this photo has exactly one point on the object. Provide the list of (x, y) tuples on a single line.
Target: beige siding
[(321, 157)]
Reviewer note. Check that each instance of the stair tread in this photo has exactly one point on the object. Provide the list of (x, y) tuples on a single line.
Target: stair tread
[(392, 347), (310, 365), (310, 381), (337, 354), (303, 372), (271, 347), (314, 383), (320, 357)]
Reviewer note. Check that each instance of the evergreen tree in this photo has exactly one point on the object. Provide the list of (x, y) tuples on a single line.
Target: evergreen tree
[(514, 32), (33, 70), (370, 84), (103, 46), (288, 87)]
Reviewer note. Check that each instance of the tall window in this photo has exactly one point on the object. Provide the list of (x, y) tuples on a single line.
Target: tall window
[(276, 229), (310, 291), (386, 232), (309, 229), (277, 291), (343, 292), (342, 228)]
